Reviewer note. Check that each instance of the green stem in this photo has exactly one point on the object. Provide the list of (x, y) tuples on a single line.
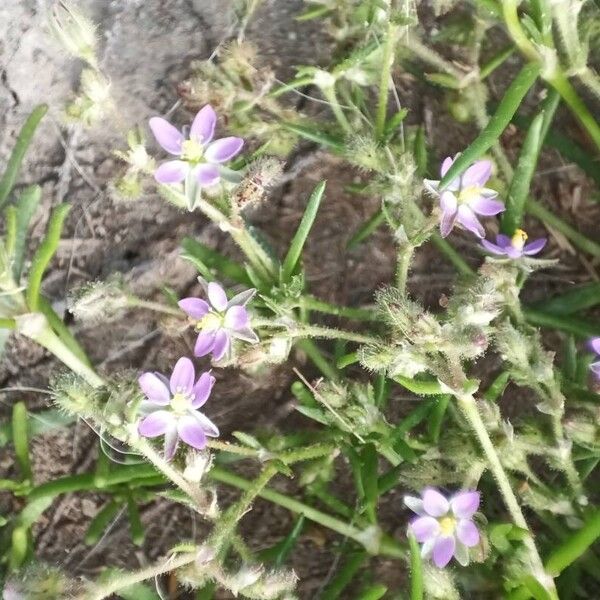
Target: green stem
[(136, 302), (301, 330), (384, 79), (359, 314), (331, 97), (511, 18), (405, 254), (313, 352), (469, 408)]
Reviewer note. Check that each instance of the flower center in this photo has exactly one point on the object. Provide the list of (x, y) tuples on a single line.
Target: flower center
[(192, 151), (468, 194), (209, 322), (181, 402), (518, 239), (447, 525)]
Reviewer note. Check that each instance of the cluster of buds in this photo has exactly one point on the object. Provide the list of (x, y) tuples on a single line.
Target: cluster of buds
[(129, 186)]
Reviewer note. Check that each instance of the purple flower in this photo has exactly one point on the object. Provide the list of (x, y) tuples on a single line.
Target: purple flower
[(171, 407), (594, 344), (219, 320), (198, 154), (465, 197), (445, 527), (514, 247)]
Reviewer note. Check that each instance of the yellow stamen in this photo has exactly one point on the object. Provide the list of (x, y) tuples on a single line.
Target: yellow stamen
[(518, 239), (447, 525), (209, 322), (191, 151), (469, 193), (180, 403)]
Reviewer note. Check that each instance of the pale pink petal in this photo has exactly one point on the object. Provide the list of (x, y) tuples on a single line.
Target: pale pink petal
[(246, 334), (171, 441), (223, 150), (493, 248), (424, 528), (183, 376), (202, 389), (242, 298), (595, 344), (194, 307), (446, 165), (203, 126), (191, 432), (503, 240), (434, 503), (154, 389), (534, 247), (595, 368), (173, 171), (466, 217), (169, 137), (415, 504), (205, 343), (156, 423), (449, 208), (467, 533), (486, 206), (477, 174), (465, 504), (443, 551), (236, 317), (210, 429), (217, 296), (207, 175), (222, 343)]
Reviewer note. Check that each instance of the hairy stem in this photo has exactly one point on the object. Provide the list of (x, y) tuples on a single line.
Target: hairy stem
[(389, 48)]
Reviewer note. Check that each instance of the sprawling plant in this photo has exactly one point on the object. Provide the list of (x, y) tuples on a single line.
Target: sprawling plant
[(493, 508)]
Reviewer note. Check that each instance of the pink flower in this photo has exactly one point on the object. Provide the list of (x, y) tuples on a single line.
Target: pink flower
[(198, 155), (466, 197), (219, 320), (171, 407), (594, 344), (445, 527), (514, 247)]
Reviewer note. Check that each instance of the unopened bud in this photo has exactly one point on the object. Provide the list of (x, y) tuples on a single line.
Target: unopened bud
[(74, 31)]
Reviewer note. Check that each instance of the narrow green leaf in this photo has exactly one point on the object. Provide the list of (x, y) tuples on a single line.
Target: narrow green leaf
[(308, 218), (452, 255), (536, 589), (278, 553), (497, 124), (19, 547), (579, 327), (368, 460), (570, 358), (41, 422), (344, 576), (136, 528), (420, 151), (498, 59), (372, 592), (436, 417), (575, 545), (518, 190), (24, 208), (366, 229), (100, 522), (208, 260), (422, 387), (21, 439), (416, 569), (572, 301), (44, 254), (16, 158), (314, 134), (497, 387)]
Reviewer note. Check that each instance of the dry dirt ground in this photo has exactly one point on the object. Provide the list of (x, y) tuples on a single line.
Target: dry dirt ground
[(146, 47)]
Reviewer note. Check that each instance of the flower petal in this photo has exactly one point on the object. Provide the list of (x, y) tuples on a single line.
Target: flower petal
[(173, 171), (595, 368), (493, 248), (191, 432), (203, 125), (465, 504), (467, 533), (427, 548), (171, 441), (246, 334), (424, 528), (223, 150), (183, 376), (434, 503), (242, 298), (415, 504), (222, 344), (461, 553), (443, 550), (217, 296), (466, 217), (503, 240), (194, 307), (154, 389), (207, 175), (446, 165), (486, 206), (156, 423), (202, 389), (209, 427), (169, 137), (477, 174), (205, 343), (449, 206), (534, 247), (236, 317), (595, 344)]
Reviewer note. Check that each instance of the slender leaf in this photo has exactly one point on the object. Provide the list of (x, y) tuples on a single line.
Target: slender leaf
[(21, 439), (416, 569), (44, 254), (572, 301), (299, 239), (16, 158), (314, 134), (372, 592), (24, 210), (497, 124), (344, 576), (278, 553), (497, 387), (366, 229), (574, 325), (368, 460), (100, 522), (136, 528)]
